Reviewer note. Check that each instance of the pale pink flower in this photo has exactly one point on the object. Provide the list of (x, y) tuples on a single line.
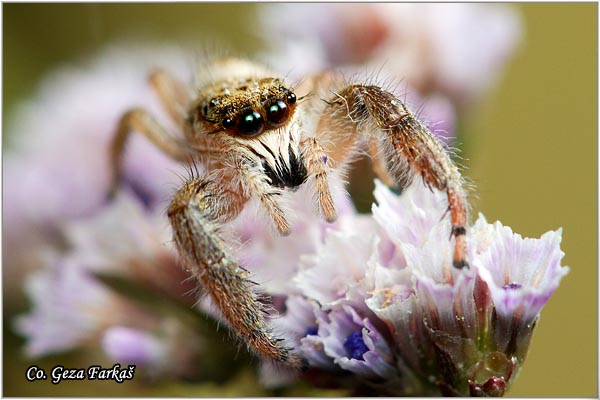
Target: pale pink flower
[(127, 240), (133, 346), (71, 309), (59, 148), (256, 244), (83, 298), (160, 352), (455, 49), (382, 300)]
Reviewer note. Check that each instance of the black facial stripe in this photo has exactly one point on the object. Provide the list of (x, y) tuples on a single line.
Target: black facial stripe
[(283, 176), (268, 149)]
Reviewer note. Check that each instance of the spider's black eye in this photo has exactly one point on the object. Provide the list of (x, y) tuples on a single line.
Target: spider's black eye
[(228, 123), (291, 98), (251, 123), (277, 113)]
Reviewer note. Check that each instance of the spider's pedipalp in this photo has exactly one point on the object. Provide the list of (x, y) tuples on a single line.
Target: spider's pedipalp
[(255, 184), (317, 167), (402, 147)]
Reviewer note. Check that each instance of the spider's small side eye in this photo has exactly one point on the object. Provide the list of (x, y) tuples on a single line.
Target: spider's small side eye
[(251, 123), (228, 123), (277, 113), (291, 98)]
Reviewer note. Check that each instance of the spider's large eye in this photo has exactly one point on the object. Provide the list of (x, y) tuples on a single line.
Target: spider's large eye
[(278, 113), (251, 123)]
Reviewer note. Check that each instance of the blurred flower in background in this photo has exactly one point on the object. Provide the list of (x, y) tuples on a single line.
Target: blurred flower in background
[(457, 50), (370, 301), (59, 144)]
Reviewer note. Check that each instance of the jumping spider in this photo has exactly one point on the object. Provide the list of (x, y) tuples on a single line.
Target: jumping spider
[(257, 139)]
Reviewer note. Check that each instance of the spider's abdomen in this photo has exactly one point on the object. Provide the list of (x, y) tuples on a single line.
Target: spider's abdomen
[(286, 175)]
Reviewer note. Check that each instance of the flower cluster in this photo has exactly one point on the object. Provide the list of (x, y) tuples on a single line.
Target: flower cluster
[(78, 304), (374, 295), (379, 298)]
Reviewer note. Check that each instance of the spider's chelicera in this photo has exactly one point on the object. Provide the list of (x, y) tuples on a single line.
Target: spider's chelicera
[(256, 140)]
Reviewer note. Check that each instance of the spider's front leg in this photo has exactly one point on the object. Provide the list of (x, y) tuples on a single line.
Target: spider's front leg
[(196, 213), (405, 145)]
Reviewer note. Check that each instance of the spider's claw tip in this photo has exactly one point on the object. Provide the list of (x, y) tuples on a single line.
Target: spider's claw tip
[(460, 264)]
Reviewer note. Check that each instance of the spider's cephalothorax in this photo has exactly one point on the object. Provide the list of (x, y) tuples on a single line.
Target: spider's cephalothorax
[(256, 139), (250, 118)]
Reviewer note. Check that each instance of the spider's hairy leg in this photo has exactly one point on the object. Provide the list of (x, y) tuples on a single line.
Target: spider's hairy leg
[(317, 167), (174, 98), (382, 118), (196, 212), (172, 93), (139, 120)]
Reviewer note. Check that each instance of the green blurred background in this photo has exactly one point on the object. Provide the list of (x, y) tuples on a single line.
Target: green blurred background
[(531, 150)]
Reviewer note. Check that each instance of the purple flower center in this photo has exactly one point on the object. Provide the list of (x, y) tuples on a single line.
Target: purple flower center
[(355, 345), (312, 331), (512, 286)]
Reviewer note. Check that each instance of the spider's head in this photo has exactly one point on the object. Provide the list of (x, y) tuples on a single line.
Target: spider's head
[(245, 109), (252, 117)]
